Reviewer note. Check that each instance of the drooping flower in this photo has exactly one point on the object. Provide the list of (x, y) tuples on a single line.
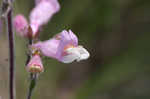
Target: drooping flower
[(21, 25), (35, 64), (63, 47), (42, 13)]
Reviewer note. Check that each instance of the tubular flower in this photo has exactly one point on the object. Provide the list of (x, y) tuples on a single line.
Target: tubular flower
[(42, 13), (21, 25), (63, 47), (35, 65)]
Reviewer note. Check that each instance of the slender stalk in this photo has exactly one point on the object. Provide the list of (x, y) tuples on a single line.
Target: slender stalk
[(32, 85), (11, 55)]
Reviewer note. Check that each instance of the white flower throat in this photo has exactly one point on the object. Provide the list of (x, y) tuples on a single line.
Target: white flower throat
[(75, 53)]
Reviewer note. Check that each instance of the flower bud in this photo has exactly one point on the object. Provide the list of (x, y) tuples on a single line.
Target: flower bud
[(35, 65), (21, 25)]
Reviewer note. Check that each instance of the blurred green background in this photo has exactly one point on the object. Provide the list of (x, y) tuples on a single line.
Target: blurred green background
[(115, 32)]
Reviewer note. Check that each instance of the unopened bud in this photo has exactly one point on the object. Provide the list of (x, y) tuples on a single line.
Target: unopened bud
[(21, 25), (35, 65)]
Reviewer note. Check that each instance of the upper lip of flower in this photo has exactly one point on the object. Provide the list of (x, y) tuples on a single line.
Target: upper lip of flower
[(68, 48)]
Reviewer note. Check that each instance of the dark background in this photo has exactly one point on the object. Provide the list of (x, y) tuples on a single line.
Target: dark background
[(115, 32)]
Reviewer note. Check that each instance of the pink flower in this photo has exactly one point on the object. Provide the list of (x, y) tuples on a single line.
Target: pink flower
[(21, 25), (35, 65), (39, 16), (53, 2), (63, 47), (42, 13)]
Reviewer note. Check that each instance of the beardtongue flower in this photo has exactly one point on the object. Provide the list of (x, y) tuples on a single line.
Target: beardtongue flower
[(63, 47), (42, 13), (35, 64), (21, 25)]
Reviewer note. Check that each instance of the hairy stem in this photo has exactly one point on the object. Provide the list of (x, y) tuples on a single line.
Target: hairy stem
[(11, 54)]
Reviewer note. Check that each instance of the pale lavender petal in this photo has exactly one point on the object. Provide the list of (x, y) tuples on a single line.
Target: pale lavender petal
[(48, 48), (43, 12), (65, 40), (53, 2), (70, 37), (20, 24), (65, 37), (73, 38)]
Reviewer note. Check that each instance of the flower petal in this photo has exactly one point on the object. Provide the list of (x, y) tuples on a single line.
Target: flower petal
[(65, 40), (84, 54), (73, 55), (53, 2), (48, 48), (43, 12), (77, 53), (21, 25), (73, 38)]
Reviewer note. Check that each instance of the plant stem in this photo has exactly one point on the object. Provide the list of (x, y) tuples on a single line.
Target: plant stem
[(32, 85), (11, 55), (28, 55)]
